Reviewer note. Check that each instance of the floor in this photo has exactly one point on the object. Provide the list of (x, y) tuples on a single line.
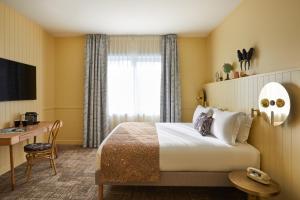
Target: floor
[(75, 180)]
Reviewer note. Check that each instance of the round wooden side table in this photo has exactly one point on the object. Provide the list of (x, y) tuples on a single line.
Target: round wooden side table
[(254, 189)]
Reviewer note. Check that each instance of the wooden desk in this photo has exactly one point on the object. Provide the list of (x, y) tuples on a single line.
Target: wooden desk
[(11, 139)]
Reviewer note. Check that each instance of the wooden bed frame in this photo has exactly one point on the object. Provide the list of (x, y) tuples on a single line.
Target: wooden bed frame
[(201, 178)]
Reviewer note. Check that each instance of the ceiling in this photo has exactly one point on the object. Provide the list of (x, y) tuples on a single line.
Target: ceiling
[(75, 17)]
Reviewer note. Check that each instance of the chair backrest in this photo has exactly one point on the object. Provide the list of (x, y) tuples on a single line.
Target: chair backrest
[(54, 132)]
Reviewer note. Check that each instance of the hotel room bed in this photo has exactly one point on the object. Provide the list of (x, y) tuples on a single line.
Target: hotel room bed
[(186, 158)]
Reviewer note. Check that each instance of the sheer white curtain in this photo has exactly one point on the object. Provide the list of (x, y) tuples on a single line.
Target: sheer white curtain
[(134, 76)]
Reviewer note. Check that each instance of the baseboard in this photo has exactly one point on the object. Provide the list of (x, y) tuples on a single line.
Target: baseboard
[(69, 142)]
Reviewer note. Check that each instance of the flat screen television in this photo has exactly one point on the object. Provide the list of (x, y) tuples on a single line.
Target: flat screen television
[(17, 81)]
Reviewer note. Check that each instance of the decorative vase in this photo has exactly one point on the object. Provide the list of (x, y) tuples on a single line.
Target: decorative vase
[(236, 75)]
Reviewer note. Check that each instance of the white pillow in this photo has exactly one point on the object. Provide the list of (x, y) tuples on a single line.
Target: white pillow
[(199, 110), (225, 126), (246, 122)]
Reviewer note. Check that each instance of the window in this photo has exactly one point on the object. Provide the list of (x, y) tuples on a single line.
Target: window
[(133, 85)]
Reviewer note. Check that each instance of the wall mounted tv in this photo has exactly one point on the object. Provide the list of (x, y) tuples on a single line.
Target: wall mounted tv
[(17, 81)]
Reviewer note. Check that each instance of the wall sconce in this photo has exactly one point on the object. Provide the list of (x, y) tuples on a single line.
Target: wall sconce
[(274, 101), (201, 98)]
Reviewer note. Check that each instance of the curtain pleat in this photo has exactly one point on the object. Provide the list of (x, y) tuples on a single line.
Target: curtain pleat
[(122, 51), (95, 98), (170, 103)]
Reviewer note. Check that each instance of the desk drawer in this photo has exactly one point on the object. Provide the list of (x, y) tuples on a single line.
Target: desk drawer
[(33, 133)]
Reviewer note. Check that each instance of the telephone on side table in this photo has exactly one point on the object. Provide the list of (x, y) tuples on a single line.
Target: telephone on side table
[(255, 188), (258, 175)]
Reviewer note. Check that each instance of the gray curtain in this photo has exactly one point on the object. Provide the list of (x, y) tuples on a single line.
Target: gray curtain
[(95, 109), (170, 106)]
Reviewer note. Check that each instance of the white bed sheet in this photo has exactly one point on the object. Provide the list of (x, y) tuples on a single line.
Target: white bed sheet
[(182, 148)]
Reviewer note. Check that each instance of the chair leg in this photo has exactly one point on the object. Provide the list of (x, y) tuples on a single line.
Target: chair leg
[(50, 164), (55, 152), (53, 165), (100, 192), (29, 168), (27, 165), (26, 171)]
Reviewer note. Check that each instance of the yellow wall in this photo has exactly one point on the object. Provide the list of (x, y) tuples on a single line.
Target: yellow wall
[(194, 73), (60, 75), (69, 70), (69, 80), (24, 41), (271, 26), (273, 30)]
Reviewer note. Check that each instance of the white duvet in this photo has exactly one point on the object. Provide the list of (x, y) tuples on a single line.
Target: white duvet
[(182, 148)]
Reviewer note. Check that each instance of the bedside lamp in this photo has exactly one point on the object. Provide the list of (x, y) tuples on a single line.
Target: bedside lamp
[(275, 102)]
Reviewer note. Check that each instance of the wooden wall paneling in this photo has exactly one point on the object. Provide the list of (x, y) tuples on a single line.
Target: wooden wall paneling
[(287, 136), (279, 146), (2, 31), (295, 134), (20, 40)]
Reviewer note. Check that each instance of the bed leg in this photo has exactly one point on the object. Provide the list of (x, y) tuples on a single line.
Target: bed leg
[(100, 192), (251, 197)]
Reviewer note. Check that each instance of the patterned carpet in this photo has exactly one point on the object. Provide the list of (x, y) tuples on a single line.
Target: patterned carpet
[(75, 180)]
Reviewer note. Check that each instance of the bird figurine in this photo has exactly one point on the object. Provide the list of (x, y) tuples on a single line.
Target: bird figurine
[(249, 57), (241, 59), (245, 55)]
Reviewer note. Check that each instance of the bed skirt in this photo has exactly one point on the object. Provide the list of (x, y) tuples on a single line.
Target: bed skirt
[(200, 179)]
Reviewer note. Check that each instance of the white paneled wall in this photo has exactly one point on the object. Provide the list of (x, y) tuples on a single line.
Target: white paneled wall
[(280, 146)]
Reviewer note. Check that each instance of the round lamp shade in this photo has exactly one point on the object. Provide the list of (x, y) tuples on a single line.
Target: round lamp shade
[(274, 101)]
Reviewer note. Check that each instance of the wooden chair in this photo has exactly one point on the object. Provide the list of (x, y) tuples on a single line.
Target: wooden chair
[(43, 150)]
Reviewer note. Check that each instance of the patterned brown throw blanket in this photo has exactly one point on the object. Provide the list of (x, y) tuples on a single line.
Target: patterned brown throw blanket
[(131, 154)]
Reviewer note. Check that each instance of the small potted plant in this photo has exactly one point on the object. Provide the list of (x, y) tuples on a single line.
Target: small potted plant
[(227, 69)]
